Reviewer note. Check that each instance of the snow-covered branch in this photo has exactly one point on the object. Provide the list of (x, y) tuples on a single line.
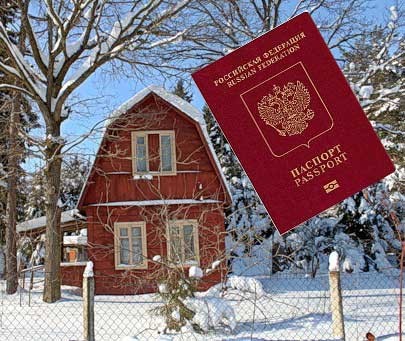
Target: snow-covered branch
[(26, 72), (388, 129), (222, 26), (16, 88), (9, 70), (68, 42)]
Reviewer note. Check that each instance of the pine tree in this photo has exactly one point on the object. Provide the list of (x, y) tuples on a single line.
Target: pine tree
[(309, 245), (6, 16), (35, 197), (181, 91), (229, 163), (370, 224), (375, 69), (74, 172), (249, 228), (16, 118), (369, 219)]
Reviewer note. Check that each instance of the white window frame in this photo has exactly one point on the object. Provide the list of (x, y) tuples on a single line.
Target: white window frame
[(145, 134), (180, 224), (129, 225), (134, 137)]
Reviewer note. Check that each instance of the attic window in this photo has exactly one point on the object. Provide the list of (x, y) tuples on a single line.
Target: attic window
[(154, 152)]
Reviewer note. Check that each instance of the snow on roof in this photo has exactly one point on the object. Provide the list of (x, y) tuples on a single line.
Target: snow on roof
[(74, 240), (157, 202), (173, 99), (39, 222), (178, 103)]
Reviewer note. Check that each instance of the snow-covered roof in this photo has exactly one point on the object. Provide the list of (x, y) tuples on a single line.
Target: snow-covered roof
[(39, 222), (74, 240), (173, 99), (157, 202), (178, 103)]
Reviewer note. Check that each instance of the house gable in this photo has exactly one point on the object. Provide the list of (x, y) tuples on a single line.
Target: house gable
[(197, 174)]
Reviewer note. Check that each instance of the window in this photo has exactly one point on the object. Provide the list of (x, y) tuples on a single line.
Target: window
[(130, 245), (166, 153), (141, 148), (183, 242), (154, 152), (73, 254)]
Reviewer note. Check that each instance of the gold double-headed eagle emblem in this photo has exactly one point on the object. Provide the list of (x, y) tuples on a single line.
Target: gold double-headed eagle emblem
[(287, 109)]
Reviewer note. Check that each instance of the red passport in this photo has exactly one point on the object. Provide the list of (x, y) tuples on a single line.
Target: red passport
[(293, 122)]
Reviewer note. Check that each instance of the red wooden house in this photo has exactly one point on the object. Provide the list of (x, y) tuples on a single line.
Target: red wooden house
[(155, 191)]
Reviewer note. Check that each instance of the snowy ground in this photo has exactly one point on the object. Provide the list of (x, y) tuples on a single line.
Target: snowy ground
[(292, 308)]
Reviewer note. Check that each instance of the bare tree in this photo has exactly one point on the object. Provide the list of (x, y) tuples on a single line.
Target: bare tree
[(222, 26), (68, 41), (375, 68)]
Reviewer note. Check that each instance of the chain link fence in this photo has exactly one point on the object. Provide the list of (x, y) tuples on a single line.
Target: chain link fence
[(285, 306), (24, 315)]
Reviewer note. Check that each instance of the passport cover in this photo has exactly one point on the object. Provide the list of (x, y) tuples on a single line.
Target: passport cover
[(293, 122)]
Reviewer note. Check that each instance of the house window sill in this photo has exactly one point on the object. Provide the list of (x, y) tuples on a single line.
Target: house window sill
[(143, 177), (184, 265), (132, 267), (64, 264), (149, 176)]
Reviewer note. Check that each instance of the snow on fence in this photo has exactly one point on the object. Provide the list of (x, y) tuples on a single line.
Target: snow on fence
[(285, 306), (336, 304)]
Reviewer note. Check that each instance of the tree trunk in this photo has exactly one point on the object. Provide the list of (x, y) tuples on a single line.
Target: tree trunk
[(11, 234), (52, 291), (13, 161)]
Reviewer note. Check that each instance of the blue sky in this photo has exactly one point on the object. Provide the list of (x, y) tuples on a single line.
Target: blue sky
[(104, 94)]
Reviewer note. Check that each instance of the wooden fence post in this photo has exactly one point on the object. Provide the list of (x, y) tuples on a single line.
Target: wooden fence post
[(88, 302), (338, 325)]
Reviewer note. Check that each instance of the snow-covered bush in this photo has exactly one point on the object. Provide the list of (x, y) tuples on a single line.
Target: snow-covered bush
[(211, 312), (38, 255), (370, 218), (257, 262), (195, 272), (181, 309), (24, 251), (246, 284), (310, 244), (174, 286)]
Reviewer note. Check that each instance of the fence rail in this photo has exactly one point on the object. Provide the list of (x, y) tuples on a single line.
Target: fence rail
[(281, 307)]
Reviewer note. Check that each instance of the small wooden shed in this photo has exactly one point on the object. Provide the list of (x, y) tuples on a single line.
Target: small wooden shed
[(73, 247)]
